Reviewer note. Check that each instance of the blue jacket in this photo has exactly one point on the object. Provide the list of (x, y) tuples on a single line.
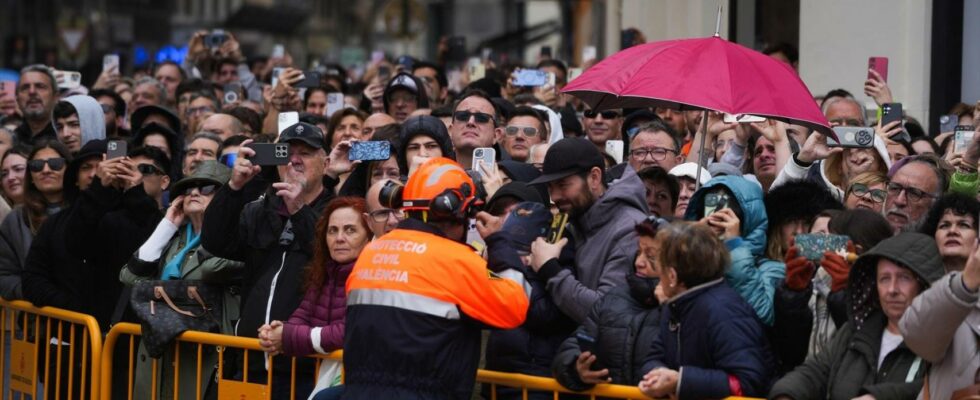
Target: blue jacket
[(710, 334), (751, 274)]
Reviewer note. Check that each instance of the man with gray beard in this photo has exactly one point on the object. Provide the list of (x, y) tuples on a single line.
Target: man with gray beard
[(913, 187), (37, 92)]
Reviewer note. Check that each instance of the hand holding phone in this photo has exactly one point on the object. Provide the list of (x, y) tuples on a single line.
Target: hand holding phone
[(269, 153), (110, 63), (812, 246), (116, 149), (962, 137), (311, 79), (880, 66), (557, 227), (489, 157), (858, 137), (530, 77)]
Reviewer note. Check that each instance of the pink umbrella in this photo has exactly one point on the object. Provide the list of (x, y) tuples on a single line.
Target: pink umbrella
[(700, 74)]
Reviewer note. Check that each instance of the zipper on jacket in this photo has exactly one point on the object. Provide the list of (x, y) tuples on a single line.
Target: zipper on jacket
[(272, 288)]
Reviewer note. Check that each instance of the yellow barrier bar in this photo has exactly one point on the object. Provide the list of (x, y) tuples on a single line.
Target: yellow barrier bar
[(91, 345)]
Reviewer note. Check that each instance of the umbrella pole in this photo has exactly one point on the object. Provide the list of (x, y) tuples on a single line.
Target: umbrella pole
[(704, 135)]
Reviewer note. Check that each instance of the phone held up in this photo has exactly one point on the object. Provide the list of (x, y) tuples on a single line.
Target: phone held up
[(962, 136), (489, 157), (813, 246), (372, 150), (115, 149), (857, 137), (269, 153)]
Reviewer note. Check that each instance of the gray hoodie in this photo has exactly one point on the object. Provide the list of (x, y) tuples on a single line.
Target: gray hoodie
[(605, 247), (90, 116)]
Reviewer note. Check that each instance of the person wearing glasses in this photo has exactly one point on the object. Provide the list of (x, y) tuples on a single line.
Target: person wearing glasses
[(914, 185), (474, 125), (601, 126), (867, 191), (380, 219), (43, 197), (655, 145), (525, 128), (173, 251)]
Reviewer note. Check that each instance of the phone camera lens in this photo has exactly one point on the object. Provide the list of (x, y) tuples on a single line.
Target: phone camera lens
[(864, 137)]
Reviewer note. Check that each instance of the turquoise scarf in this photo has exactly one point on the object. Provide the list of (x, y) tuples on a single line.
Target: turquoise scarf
[(172, 269)]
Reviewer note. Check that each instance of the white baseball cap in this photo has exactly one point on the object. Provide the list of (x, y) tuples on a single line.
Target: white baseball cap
[(690, 170)]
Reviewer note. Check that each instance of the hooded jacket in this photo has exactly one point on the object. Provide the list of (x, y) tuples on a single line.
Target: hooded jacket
[(751, 274), (90, 117), (848, 366), (423, 125), (793, 171), (605, 245)]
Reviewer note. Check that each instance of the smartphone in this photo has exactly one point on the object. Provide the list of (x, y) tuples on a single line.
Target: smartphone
[(278, 51), (269, 153), (574, 73), (457, 50), (477, 72), (377, 56), (813, 245), (215, 39), (384, 74), (741, 118), (615, 149), (486, 154), (857, 137), (879, 65), (557, 230), (545, 52), (311, 79), (588, 53), (891, 112), (8, 89), (947, 123), (486, 53), (335, 102), (115, 149), (110, 62), (715, 201), (586, 343), (232, 93), (275, 75), (962, 136), (287, 119), (530, 77), (372, 150), (68, 80)]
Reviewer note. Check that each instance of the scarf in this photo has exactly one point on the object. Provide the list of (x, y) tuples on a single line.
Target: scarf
[(172, 269)]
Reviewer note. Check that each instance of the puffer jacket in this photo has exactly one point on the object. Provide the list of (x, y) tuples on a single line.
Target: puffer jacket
[(322, 310), (751, 274), (848, 366), (711, 336), (624, 330), (943, 326), (605, 245)]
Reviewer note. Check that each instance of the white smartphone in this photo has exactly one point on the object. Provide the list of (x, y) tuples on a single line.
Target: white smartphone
[(588, 53), (477, 72), (278, 51), (486, 154), (68, 80), (615, 149), (742, 118), (551, 79), (110, 62), (962, 138), (287, 119), (335, 102), (275, 75)]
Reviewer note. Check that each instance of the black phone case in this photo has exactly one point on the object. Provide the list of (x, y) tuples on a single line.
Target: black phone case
[(270, 153), (894, 113), (311, 79)]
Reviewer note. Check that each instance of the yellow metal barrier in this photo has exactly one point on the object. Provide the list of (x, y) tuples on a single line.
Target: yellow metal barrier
[(34, 334)]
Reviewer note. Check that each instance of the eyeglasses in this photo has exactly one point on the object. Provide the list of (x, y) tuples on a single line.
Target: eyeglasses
[(913, 194), (658, 153), (608, 114), (480, 118), (528, 131), (382, 215), (149, 169), (877, 195), (204, 190), (56, 164)]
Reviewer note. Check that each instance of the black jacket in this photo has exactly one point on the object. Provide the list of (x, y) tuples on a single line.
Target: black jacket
[(790, 334), (624, 330), (28, 138)]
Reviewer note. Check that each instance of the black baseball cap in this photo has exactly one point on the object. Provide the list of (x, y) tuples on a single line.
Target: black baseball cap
[(140, 115), (305, 133), (568, 157)]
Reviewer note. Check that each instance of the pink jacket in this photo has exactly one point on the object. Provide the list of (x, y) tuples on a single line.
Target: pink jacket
[(317, 326)]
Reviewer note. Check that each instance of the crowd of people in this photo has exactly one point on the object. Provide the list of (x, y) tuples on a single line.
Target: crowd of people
[(683, 270)]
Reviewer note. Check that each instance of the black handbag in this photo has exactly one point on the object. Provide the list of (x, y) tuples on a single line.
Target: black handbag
[(168, 308)]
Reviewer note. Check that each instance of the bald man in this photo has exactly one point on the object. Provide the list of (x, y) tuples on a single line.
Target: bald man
[(373, 122), (379, 218)]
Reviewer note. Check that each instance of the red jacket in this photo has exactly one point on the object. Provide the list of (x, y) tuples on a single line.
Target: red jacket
[(318, 324)]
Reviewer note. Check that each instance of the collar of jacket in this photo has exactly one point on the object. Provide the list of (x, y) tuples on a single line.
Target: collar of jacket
[(684, 298), (867, 340)]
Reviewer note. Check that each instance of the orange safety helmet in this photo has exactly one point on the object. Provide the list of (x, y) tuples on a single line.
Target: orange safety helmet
[(442, 190)]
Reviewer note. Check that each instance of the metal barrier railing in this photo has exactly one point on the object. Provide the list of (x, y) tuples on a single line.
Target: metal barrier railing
[(54, 351)]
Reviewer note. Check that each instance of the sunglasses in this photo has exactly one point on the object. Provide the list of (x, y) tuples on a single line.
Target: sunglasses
[(204, 190), (56, 164), (480, 118), (149, 169), (528, 131), (608, 114)]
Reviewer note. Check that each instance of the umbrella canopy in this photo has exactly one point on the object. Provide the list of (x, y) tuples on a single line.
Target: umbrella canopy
[(700, 74)]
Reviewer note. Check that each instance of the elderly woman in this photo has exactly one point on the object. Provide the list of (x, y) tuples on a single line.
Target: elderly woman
[(317, 326), (867, 190), (952, 221), (867, 356), (174, 252), (711, 344)]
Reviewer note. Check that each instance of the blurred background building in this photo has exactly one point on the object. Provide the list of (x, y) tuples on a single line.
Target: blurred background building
[(932, 46)]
